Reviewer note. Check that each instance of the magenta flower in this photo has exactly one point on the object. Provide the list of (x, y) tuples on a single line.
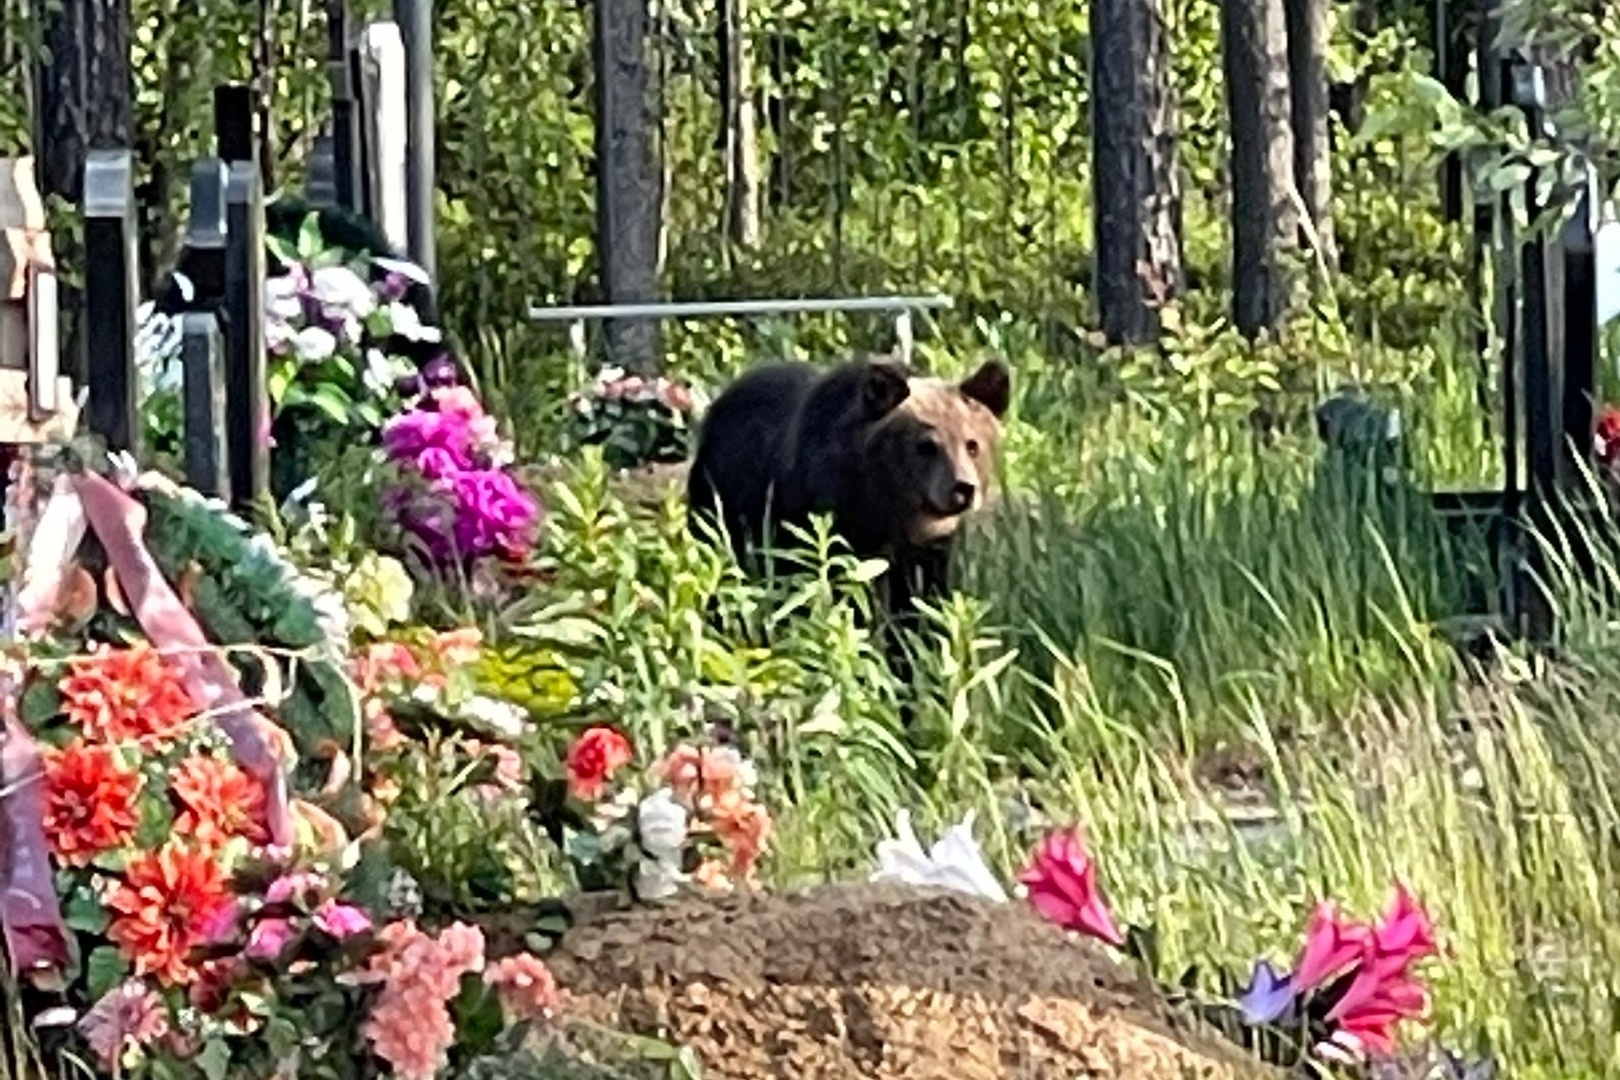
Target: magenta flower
[(1062, 883), (341, 920), (268, 939), (298, 886), (129, 1015)]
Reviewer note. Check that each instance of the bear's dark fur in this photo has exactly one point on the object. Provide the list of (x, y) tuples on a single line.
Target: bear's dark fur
[(895, 458)]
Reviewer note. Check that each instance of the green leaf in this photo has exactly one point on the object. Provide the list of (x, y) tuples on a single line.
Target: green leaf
[(310, 241), (331, 401), (40, 704), (215, 1059), (104, 969), (84, 913)]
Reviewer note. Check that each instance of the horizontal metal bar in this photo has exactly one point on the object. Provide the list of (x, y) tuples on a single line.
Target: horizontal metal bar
[(718, 308)]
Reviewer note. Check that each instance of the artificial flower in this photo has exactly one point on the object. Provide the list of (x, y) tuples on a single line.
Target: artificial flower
[(218, 800), (954, 862), (700, 777), (90, 801), (410, 1030), (130, 1016), (1268, 996), (1062, 883), (162, 907), (595, 757), (524, 986), (300, 887), (745, 828), (342, 291), (341, 921), (1332, 946), (268, 939), (314, 344), (1405, 928), (119, 695)]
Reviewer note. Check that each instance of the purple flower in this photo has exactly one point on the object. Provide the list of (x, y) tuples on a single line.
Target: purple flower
[(341, 920), (1268, 996), (393, 286), (406, 436), (437, 463), (440, 371), (495, 514)]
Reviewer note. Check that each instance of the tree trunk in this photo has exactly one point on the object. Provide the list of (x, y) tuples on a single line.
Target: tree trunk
[(1137, 189), (628, 204), (1309, 27), (85, 102), (1265, 219), (739, 128)]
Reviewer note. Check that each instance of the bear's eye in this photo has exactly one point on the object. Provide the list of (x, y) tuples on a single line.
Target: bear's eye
[(927, 448), (973, 447)]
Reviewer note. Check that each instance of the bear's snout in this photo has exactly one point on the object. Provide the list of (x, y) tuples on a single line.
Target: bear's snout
[(961, 497)]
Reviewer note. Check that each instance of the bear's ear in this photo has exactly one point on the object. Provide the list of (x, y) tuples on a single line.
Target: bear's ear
[(883, 389), (990, 386)]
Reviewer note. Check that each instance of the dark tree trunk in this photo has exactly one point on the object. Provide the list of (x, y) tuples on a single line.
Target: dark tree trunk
[(739, 127), (1265, 218), (1309, 26), (85, 102), (1137, 189), (628, 199)]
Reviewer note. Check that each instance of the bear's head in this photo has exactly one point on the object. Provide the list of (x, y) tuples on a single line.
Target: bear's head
[(930, 455)]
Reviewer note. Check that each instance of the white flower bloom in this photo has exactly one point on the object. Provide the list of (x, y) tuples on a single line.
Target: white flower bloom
[(340, 289), (499, 718), (281, 302), (408, 324), (656, 880), (379, 373), (312, 345), (955, 862), (404, 268), (661, 826)]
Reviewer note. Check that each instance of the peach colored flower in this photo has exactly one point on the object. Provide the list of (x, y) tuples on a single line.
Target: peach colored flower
[(712, 874), (525, 986), (382, 664), (162, 908), (411, 1030), (218, 800), (746, 831), (90, 802), (700, 777), (459, 648), (126, 695)]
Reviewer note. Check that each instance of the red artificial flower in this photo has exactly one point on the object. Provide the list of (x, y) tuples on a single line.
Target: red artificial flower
[(1606, 436), (1333, 945), (163, 908), (217, 800), (596, 755), (1062, 883), (126, 695), (90, 802)]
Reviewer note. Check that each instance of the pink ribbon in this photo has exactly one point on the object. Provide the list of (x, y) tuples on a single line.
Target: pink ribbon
[(119, 522), (30, 920)]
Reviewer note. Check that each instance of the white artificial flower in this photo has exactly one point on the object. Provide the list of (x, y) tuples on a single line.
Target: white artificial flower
[(341, 290), (281, 301), (657, 880), (312, 344), (661, 826), (379, 373), (499, 718), (404, 268), (955, 862), (408, 324)]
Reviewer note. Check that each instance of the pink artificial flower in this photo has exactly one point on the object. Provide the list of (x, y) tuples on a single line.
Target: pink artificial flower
[(268, 939), (129, 1015), (1406, 928), (1062, 883), (1332, 946), (525, 986), (341, 920), (299, 887)]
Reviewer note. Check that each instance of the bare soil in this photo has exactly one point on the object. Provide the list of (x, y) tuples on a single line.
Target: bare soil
[(880, 983)]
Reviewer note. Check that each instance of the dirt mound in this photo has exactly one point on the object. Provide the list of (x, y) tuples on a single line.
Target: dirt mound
[(880, 983)]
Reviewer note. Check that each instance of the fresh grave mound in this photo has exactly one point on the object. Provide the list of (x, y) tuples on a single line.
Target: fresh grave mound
[(880, 982)]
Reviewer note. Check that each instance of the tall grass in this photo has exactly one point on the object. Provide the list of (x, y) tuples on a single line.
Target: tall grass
[(1158, 586)]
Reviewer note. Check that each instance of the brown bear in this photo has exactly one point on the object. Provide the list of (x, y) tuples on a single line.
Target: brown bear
[(896, 458)]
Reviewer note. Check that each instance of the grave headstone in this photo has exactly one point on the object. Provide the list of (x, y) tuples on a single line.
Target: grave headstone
[(111, 295), (202, 361), (383, 125), (247, 418)]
